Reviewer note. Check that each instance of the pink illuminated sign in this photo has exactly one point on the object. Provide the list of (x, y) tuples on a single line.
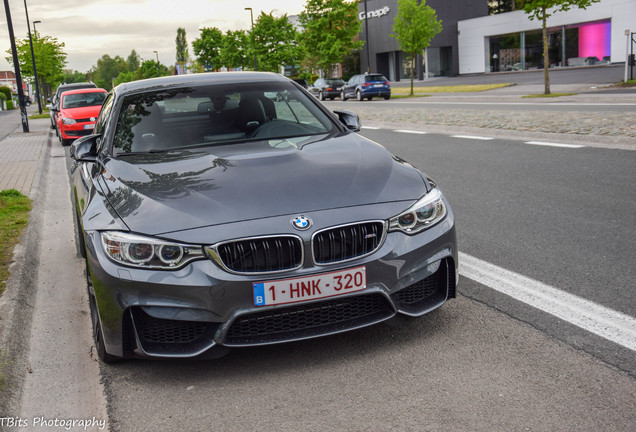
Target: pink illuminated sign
[(594, 40)]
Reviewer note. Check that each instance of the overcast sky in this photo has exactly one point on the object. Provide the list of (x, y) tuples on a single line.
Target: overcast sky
[(92, 28)]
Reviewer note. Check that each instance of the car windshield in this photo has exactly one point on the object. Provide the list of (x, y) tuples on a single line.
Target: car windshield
[(78, 100), (334, 82), (371, 78), (177, 118)]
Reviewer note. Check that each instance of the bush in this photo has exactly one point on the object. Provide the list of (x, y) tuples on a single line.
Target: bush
[(6, 91), (9, 105)]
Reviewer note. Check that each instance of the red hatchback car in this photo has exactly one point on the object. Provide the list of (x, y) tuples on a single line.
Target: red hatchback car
[(78, 112)]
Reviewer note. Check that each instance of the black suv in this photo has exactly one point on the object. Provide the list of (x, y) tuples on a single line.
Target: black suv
[(56, 98)]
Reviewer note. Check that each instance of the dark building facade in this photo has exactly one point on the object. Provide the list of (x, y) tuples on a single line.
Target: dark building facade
[(384, 51)]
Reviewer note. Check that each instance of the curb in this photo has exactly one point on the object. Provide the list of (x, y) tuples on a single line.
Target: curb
[(16, 303)]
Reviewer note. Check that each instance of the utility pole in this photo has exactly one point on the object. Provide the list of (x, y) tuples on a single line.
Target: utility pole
[(16, 65), (35, 71)]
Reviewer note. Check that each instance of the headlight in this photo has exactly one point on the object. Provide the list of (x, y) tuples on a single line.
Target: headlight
[(146, 252), (68, 120), (425, 213)]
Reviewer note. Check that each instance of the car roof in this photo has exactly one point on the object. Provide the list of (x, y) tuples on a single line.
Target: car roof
[(76, 85), (199, 79), (83, 90)]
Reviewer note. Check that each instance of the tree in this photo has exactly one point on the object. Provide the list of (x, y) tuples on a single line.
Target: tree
[(415, 26), (74, 77), (544, 9), (50, 60), (502, 6), (133, 61), (207, 48), (235, 50), (275, 42), (182, 46), (330, 30), (107, 70)]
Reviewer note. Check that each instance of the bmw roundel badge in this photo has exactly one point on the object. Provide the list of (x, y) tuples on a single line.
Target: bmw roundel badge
[(301, 222)]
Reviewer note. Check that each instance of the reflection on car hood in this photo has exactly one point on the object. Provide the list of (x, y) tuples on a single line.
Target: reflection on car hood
[(165, 192)]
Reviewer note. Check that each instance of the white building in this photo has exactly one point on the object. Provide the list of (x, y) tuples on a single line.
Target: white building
[(511, 41)]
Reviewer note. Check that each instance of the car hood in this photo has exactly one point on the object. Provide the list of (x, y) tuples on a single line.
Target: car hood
[(81, 112), (166, 192)]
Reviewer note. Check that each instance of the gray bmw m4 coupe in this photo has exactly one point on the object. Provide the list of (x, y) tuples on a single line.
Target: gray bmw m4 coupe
[(226, 210)]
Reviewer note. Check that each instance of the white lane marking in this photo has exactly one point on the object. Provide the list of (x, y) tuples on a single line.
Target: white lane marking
[(472, 137), (555, 104), (370, 127), (410, 131), (549, 144), (600, 320)]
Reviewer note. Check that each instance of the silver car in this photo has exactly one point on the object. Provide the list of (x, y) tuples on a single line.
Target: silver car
[(230, 210)]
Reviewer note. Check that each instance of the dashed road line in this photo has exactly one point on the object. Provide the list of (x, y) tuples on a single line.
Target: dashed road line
[(410, 131), (473, 137), (600, 320), (549, 144), (371, 127)]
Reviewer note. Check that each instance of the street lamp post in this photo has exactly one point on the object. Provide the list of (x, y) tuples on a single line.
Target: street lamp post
[(252, 20), (34, 29), (366, 34), (157, 54), (16, 65), (35, 71)]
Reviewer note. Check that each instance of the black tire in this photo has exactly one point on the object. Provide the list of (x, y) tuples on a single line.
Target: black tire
[(387, 97), (321, 96), (342, 95), (370, 98), (359, 96)]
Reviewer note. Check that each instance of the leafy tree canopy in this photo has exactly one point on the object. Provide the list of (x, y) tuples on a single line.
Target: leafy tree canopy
[(235, 52), (50, 59), (107, 70), (275, 42), (544, 9), (207, 48), (182, 45), (330, 30), (133, 61)]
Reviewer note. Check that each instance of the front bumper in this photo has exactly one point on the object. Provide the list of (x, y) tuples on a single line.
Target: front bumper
[(74, 131), (186, 312)]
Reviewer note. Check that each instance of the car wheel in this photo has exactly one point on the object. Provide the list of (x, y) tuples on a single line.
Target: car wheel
[(342, 95), (321, 96), (370, 98), (387, 97), (332, 98), (359, 95)]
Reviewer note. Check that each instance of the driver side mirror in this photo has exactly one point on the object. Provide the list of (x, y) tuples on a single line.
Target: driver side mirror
[(349, 119), (84, 149)]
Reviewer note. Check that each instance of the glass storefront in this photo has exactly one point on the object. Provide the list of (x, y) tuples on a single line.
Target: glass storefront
[(574, 45)]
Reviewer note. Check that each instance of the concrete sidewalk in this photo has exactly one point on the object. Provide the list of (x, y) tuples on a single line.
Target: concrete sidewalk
[(21, 153)]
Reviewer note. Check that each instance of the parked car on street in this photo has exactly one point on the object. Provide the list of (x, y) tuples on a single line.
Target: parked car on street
[(366, 86), (54, 101), (327, 88), (234, 210), (78, 111)]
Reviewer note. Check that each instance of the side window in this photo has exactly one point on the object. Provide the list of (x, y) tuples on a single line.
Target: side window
[(103, 114)]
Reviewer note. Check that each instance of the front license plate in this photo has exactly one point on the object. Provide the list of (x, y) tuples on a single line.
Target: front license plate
[(309, 287), (89, 126)]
